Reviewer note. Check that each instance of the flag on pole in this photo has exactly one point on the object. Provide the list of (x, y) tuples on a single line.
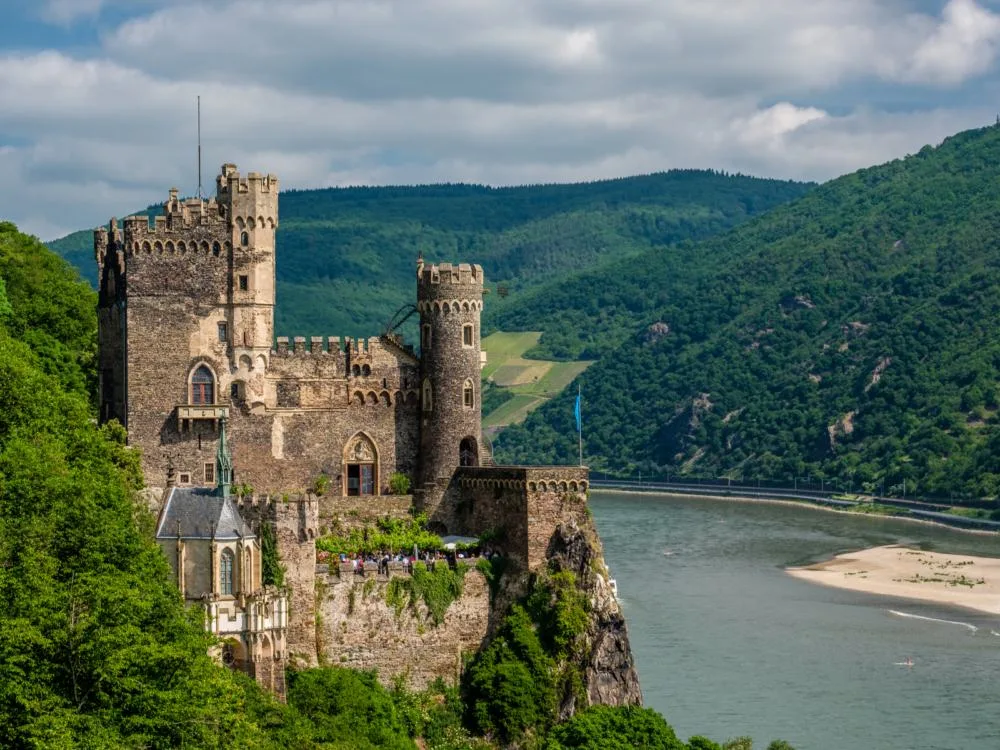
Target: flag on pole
[(579, 420)]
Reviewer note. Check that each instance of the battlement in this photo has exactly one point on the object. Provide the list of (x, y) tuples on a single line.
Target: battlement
[(335, 345), (230, 183), (445, 274), (296, 511)]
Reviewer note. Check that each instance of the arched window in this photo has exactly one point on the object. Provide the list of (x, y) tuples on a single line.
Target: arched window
[(366, 371), (468, 395), (202, 386), (226, 572), (244, 238), (468, 452), (428, 402)]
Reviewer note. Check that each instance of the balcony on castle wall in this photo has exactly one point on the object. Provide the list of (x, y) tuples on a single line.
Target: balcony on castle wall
[(211, 412)]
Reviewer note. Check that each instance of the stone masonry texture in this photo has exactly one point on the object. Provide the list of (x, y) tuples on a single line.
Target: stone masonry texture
[(186, 338)]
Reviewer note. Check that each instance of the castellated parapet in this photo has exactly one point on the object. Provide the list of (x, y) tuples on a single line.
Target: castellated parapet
[(187, 352)]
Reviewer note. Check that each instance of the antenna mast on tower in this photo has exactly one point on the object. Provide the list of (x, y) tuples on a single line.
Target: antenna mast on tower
[(199, 147)]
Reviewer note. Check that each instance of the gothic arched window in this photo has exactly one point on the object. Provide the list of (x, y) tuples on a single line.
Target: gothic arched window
[(202, 386), (226, 572)]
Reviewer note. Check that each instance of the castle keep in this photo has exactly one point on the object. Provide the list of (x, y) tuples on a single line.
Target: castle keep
[(245, 436), (186, 332)]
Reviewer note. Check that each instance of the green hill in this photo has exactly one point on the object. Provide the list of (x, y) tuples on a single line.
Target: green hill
[(346, 255), (853, 334)]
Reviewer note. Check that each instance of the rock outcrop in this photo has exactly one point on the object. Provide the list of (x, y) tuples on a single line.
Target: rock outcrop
[(609, 670)]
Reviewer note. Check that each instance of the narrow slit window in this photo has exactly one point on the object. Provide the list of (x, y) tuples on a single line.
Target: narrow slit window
[(244, 283), (425, 337), (467, 335), (427, 398), (209, 473), (223, 332), (468, 395)]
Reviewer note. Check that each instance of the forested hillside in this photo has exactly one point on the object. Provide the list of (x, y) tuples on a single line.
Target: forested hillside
[(97, 649), (346, 256), (853, 334)]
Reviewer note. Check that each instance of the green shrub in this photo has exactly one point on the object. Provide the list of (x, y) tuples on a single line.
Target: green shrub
[(347, 709), (509, 687), (399, 483), (321, 485), (614, 728), (437, 589), (388, 534), (272, 571), (492, 569)]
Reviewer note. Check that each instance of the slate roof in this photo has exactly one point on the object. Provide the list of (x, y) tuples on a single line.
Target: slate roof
[(198, 510)]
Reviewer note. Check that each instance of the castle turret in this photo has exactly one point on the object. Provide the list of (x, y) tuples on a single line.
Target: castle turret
[(450, 300), (186, 319)]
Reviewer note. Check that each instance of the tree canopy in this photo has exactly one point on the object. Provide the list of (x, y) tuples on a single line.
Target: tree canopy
[(851, 335)]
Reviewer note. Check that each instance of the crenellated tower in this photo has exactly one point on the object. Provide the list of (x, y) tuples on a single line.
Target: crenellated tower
[(450, 301), (186, 317)]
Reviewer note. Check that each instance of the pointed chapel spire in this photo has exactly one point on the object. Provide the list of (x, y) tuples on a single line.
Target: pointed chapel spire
[(223, 463)]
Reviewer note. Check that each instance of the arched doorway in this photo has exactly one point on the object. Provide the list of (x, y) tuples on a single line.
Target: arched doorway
[(468, 452), (361, 466)]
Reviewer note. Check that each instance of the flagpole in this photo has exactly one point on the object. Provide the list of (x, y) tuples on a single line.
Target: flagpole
[(579, 426)]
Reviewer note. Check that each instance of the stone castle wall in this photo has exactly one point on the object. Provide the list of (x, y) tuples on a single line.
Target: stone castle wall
[(296, 525), (360, 630)]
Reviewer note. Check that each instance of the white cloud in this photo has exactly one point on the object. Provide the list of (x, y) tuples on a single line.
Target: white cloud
[(963, 45), (498, 91)]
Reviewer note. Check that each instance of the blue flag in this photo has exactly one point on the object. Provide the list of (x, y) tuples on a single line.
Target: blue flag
[(576, 413)]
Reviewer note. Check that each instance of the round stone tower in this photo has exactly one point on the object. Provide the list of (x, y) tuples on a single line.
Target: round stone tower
[(450, 301)]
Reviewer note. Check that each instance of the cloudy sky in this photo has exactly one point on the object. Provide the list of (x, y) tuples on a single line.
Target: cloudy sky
[(97, 97)]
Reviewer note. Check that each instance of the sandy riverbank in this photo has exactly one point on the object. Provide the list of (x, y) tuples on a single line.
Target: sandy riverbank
[(956, 580)]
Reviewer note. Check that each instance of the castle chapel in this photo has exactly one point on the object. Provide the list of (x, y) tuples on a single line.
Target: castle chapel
[(186, 339)]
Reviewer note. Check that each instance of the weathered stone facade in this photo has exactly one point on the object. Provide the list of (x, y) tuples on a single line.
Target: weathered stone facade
[(319, 425), (359, 629), (185, 337)]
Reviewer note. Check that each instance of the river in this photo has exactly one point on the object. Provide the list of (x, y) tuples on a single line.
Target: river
[(729, 645)]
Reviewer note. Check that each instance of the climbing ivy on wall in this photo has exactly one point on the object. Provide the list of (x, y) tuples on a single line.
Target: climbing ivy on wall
[(272, 571), (437, 589)]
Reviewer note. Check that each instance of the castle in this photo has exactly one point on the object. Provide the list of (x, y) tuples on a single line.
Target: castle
[(186, 333), (318, 428)]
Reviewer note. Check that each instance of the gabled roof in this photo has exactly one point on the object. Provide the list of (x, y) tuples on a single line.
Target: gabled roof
[(198, 513)]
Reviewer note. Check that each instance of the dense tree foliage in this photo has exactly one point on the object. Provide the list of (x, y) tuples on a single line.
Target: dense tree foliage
[(607, 728), (851, 335), (346, 256), (96, 647)]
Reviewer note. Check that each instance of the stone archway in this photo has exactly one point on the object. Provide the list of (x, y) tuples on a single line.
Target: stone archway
[(361, 466), (468, 452)]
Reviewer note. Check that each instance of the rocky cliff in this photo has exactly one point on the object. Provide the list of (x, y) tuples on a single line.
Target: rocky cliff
[(609, 670)]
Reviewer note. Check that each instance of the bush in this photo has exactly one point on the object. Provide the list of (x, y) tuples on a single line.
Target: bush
[(347, 709), (399, 484), (509, 686), (614, 728)]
